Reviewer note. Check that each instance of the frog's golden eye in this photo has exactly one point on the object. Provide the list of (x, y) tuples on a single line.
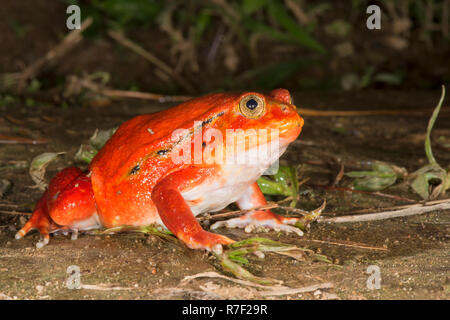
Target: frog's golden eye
[(252, 106)]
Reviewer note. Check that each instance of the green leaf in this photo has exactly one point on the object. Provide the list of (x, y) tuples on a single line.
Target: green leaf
[(271, 187), (85, 153), (421, 184), (297, 32), (270, 76), (382, 176), (250, 6), (284, 182), (203, 20), (38, 166), (100, 137)]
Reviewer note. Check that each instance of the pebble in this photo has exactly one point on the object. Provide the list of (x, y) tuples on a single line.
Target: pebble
[(39, 289)]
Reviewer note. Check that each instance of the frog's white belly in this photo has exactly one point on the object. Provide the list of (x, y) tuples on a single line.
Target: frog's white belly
[(215, 194), (228, 186)]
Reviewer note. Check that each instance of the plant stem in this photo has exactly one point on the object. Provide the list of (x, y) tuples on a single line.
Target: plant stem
[(433, 118)]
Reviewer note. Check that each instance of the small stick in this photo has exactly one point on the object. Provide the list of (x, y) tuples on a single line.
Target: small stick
[(238, 212), (339, 176), (400, 207), (143, 95), (413, 210), (16, 213), (20, 140), (352, 245), (356, 113), (282, 292)]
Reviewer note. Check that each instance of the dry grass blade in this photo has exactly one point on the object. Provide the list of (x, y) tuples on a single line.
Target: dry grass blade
[(283, 292), (16, 213), (347, 244), (410, 211), (143, 95), (268, 290), (103, 287), (216, 275), (360, 113), (20, 140)]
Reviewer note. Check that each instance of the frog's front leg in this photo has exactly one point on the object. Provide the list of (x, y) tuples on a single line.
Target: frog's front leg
[(254, 198), (176, 214)]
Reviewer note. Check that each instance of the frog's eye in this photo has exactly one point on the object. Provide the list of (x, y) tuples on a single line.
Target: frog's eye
[(252, 106)]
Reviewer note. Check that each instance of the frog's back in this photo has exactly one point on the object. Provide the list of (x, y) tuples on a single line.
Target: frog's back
[(136, 157)]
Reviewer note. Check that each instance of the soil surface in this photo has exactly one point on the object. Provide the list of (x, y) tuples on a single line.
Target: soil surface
[(414, 265)]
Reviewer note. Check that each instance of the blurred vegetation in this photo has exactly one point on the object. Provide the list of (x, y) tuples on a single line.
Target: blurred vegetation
[(261, 44)]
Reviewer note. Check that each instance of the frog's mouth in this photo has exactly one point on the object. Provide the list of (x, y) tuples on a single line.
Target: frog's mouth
[(290, 131)]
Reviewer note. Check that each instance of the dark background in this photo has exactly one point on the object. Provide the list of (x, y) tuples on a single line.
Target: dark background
[(227, 45)]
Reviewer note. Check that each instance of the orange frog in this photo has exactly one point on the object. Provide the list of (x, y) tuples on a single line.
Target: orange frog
[(137, 178)]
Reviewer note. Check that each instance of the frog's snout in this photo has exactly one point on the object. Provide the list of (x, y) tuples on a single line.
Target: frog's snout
[(291, 111)]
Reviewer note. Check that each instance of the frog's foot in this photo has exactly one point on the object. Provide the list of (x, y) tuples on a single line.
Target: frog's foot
[(259, 220), (41, 221), (206, 240)]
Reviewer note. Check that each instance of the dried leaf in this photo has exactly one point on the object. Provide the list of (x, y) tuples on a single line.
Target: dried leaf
[(38, 166), (5, 186)]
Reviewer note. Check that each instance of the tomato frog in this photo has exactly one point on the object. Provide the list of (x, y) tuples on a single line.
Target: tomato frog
[(137, 178)]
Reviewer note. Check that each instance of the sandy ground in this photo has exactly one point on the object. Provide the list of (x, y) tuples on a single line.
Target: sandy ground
[(415, 264)]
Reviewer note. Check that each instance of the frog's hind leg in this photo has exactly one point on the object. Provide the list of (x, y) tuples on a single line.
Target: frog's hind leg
[(41, 221), (67, 205), (253, 198)]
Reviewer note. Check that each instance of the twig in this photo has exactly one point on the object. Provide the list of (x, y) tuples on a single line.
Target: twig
[(340, 175), (344, 244), (212, 274), (362, 113), (413, 210), (264, 207), (283, 292), (274, 290), (57, 52), (419, 204), (103, 287), (120, 38), (237, 212), (143, 95), (16, 213), (20, 140)]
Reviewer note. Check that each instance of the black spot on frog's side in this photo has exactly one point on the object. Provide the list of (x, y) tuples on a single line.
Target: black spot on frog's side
[(135, 169), (163, 152), (204, 123)]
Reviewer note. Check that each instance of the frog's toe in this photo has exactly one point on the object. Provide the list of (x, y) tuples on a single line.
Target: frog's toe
[(206, 240), (43, 230), (260, 221)]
